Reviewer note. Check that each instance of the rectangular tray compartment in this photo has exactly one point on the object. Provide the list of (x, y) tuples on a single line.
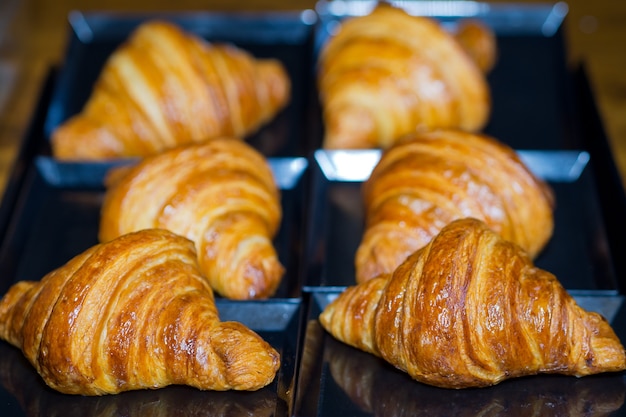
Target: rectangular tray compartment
[(23, 392), (286, 36), (531, 106), (338, 380), (576, 253), (57, 217)]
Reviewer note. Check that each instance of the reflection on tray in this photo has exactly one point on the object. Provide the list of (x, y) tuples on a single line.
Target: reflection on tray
[(381, 390), (357, 165), (36, 399), (287, 171)]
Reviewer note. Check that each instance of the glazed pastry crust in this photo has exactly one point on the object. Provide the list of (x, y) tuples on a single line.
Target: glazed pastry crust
[(221, 195), (387, 74), (427, 180), (133, 313), (471, 310), (164, 87)]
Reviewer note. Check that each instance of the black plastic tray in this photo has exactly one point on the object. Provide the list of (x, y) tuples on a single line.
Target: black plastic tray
[(286, 36), (338, 380), (57, 217), (576, 253), (23, 392)]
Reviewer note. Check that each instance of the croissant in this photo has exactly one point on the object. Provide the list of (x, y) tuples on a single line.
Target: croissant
[(131, 314), (386, 74), (429, 179), (164, 87), (471, 310), (221, 195)]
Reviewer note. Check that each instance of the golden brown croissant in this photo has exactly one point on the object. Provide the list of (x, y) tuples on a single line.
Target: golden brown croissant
[(388, 73), (221, 195), (133, 313), (165, 87), (429, 179), (471, 310)]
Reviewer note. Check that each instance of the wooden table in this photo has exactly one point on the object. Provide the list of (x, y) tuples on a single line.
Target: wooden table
[(33, 34)]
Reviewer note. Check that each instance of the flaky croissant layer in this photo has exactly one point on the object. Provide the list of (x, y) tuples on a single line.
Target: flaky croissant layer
[(165, 87), (133, 313), (471, 310)]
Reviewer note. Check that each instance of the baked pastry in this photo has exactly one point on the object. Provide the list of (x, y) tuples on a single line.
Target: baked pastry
[(221, 195), (427, 180), (388, 73), (164, 87), (133, 313), (471, 310)]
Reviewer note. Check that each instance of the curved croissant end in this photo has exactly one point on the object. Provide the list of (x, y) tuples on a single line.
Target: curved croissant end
[(130, 314), (163, 88), (479, 42), (221, 195), (471, 310)]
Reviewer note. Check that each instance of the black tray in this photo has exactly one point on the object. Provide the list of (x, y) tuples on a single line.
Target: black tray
[(576, 253), (286, 36), (58, 213), (23, 392), (338, 380)]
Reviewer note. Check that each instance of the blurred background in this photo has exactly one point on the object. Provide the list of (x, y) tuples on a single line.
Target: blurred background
[(33, 35)]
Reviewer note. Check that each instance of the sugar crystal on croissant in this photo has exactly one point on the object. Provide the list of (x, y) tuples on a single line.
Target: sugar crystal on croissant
[(133, 313), (471, 310)]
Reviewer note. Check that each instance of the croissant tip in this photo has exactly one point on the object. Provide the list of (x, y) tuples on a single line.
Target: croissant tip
[(277, 79)]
